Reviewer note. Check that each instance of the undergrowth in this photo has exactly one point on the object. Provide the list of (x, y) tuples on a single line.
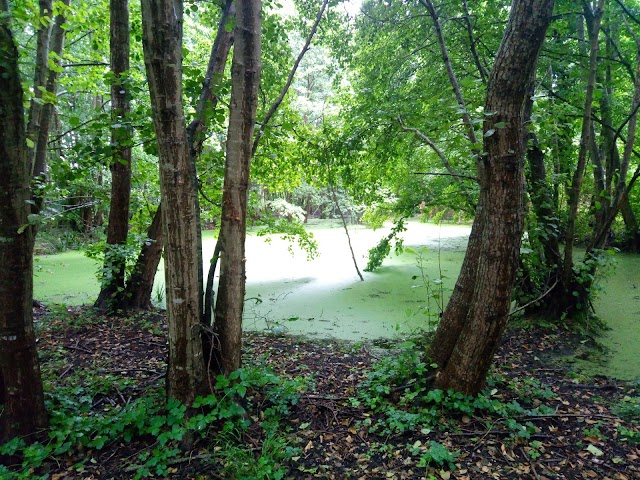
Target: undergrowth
[(252, 398), (398, 394)]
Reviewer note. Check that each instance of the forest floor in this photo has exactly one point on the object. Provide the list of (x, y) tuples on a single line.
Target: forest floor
[(588, 429)]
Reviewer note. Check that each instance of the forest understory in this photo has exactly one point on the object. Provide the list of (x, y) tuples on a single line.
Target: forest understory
[(555, 423)]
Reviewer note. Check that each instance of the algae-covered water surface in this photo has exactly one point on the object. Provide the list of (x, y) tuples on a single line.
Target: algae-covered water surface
[(618, 304), (324, 297)]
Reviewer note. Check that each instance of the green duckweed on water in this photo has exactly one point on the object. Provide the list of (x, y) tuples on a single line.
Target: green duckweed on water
[(325, 298)]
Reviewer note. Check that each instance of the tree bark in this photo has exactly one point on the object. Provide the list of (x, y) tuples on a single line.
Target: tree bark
[(162, 42), (111, 293), (489, 269), (140, 285), (22, 394), (245, 74)]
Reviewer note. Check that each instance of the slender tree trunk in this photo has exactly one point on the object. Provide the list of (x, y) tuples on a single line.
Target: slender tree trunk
[(196, 130), (593, 20), (631, 225), (346, 231), (113, 282), (39, 78), (542, 201), (208, 100), (472, 44), (245, 75), (162, 42), (140, 285), (453, 80), (56, 45), (489, 276), (22, 395), (274, 107), (619, 199)]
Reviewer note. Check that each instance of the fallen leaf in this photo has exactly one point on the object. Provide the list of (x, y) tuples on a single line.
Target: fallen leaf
[(595, 451)]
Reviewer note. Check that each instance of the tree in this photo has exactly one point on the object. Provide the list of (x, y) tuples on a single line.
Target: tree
[(245, 76), (477, 313), (162, 42), (601, 109), (113, 279), (21, 386), (140, 285)]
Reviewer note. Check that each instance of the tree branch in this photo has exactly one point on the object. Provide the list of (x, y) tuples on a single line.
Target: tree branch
[(285, 89)]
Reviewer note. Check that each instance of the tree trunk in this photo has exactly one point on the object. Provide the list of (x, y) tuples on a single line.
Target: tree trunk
[(111, 296), (245, 75), (22, 395), (631, 225), (568, 281), (472, 43), (490, 266), (140, 286), (56, 45), (39, 78), (466, 118), (208, 100), (162, 42), (542, 202)]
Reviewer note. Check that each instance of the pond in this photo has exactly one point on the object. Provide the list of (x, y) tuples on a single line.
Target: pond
[(325, 298)]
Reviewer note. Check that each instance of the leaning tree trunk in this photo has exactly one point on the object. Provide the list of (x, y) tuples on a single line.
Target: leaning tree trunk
[(490, 275), (22, 395), (245, 76), (137, 294), (162, 42), (111, 293)]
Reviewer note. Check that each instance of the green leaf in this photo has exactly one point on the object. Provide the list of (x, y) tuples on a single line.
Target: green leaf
[(595, 451)]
